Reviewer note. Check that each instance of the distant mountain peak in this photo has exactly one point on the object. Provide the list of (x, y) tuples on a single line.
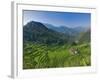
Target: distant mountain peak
[(31, 22), (36, 25)]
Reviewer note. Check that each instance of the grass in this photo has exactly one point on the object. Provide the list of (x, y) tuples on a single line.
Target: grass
[(54, 56)]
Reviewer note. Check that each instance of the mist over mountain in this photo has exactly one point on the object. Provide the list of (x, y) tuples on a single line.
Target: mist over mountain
[(46, 33), (66, 30), (81, 29), (61, 29), (39, 33)]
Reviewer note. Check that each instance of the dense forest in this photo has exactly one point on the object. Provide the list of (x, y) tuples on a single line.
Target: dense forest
[(48, 46)]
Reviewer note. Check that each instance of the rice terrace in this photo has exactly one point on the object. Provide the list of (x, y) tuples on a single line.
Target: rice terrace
[(56, 39)]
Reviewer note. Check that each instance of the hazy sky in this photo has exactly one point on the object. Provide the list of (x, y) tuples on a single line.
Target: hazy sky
[(58, 18)]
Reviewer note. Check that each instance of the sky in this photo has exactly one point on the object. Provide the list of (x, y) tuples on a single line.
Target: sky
[(68, 19)]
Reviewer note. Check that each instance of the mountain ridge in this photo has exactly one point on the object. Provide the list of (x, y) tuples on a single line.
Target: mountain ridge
[(47, 33), (38, 32)]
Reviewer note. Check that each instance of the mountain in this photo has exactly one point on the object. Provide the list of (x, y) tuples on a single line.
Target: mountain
[(46, 33), (37, 32), (66, 30), (80, 29), (80, 34), (61, 29)]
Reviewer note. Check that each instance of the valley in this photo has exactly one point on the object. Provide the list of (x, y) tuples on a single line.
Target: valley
[(46, 46)]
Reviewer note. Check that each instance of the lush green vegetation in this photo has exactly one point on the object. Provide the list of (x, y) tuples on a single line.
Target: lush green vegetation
[(51, 56), (46, 48)]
